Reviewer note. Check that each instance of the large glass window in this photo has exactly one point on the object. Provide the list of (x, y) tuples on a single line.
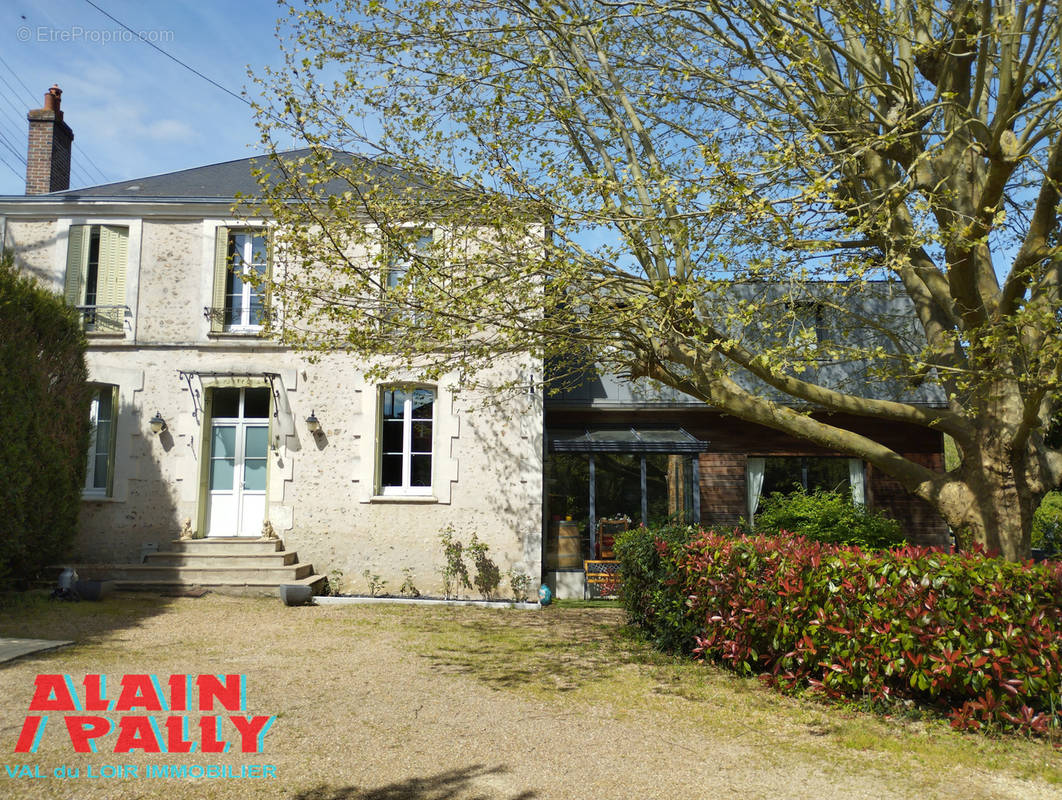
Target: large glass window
[(407, 419), (606, 481), (767, 476), (787, 474)]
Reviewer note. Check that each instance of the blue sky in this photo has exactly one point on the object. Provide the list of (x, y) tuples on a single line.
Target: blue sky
[(133, 111)]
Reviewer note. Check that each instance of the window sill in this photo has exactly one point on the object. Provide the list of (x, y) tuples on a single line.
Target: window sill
[(238, 335), (105, 334), (423, 499), (98, 498)]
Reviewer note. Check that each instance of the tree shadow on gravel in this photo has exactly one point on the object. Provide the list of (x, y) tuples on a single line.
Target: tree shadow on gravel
[(456, 784)]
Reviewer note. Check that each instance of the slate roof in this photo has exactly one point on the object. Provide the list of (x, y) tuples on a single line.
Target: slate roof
[(218, 182), (882, 301)]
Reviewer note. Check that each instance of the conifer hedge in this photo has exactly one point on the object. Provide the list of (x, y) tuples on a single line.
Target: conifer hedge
[(44, 426)]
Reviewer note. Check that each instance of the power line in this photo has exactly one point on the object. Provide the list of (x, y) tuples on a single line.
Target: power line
[(12, 148), (92, 163), (29, 92), (18, 116), (13, 170), (89, 179), (172, 58)]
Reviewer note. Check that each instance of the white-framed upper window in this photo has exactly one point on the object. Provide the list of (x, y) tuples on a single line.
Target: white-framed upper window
[(244, 301), (99, 476), (407, 436), (241, 272), (399, 285)]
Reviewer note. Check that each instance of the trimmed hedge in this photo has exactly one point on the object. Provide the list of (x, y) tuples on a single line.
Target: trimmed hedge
[(827, 517), (1047, 523), (44, 426), (977, 638)]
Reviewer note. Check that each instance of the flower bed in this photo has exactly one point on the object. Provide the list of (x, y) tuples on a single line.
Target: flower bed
[(976, 637)]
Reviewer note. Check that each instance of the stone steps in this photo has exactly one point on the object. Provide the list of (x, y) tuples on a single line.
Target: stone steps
[(280, 558), (223, 565), (225, 546)]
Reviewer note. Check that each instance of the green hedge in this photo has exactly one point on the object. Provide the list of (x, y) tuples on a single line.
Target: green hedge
[(44, 425), (1047, 523), (649, 576), (827, 517), (978, 638)]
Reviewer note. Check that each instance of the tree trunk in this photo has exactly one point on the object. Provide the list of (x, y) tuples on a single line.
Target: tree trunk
[(993, 497)]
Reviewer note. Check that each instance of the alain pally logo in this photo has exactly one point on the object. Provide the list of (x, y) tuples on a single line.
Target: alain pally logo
[(148, 715)]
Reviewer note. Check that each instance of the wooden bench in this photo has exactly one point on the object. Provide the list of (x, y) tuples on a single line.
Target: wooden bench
[(600, 572)]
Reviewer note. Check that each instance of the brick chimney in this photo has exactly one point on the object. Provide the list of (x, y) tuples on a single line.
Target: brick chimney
[(50, 141)]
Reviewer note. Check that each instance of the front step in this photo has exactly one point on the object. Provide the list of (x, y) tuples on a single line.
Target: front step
[(224, 565), (248, 589), (234, 545), (198, 576), (280, 558)]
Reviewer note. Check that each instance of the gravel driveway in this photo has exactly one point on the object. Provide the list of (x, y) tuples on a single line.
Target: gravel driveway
[(381, 703)]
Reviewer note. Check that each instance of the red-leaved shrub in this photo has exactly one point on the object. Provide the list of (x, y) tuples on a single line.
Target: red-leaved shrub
[(977, 637)]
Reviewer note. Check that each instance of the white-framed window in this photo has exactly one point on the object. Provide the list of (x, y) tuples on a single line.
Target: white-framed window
[(96, 275), (241, 271), (398, 284), (103, 413), (407, 438)]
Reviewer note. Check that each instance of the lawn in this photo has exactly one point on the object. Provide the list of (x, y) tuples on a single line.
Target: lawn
[(387, 702)]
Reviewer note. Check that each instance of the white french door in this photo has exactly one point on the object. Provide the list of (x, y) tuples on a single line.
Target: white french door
[(239, 455)]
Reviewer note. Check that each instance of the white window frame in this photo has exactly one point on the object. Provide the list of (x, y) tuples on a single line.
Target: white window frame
[(246, 289), (90, 489), (405, 489), (398, 263)]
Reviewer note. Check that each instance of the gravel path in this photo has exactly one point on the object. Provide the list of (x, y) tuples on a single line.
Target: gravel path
[(378, 704)]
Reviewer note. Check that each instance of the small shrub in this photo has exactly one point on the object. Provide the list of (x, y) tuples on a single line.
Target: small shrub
[(376, 586), (454, 571), (488, 576), (409, 589), (520, 584), (831, 517), (335, 582)]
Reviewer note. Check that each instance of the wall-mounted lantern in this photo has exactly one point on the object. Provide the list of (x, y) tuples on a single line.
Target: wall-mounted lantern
[(313, 425), (157, 423)]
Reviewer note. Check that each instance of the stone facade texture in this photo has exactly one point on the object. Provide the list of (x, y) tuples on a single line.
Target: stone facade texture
[(321, 490)]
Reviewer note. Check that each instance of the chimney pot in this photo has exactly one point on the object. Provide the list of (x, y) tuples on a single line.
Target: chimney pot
[(53, 97)]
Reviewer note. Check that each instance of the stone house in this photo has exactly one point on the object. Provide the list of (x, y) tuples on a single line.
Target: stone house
[(202, 424)]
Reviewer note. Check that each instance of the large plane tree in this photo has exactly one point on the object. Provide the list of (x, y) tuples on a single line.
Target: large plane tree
[(673, 189)]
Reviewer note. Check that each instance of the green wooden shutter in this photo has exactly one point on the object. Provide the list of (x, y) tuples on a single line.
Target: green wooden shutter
[(221, 274), (114, 255), (76, 264)]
